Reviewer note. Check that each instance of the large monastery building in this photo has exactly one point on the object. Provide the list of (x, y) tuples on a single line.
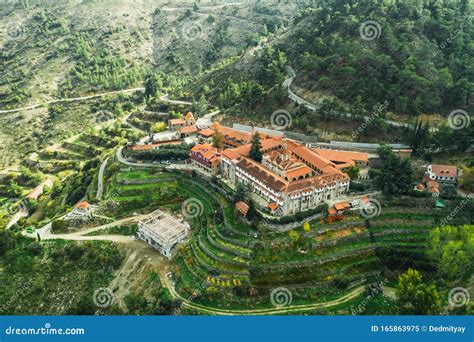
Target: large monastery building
[(291, 177)]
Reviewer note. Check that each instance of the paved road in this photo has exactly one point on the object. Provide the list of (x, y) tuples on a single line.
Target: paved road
[(166, 98), (100, 180), (45, 232), (295, 98), (202, 7), (72, 99), (121, 159), (206, 120), (125, 122), (23, 212)]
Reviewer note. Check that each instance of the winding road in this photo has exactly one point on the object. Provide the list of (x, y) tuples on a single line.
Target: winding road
[(125, 122), (166, 98), (311, 106), (23, 212), (289, 309), (45, 232), (72, 99), (100, 180), (121, 159)]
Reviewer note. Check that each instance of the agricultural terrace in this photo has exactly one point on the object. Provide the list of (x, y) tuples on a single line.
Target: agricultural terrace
[(233, 261)]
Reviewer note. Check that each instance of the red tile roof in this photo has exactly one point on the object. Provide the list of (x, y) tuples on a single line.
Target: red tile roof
[(207, 152), (82, 205), (302, 170), (342, 206), (342, 156), (433, 186), (206, 132), (234, 134), (242, 207), (420, 186), (152, 146), (188, 129), (444, 170), (311, 157), (230, 154), (199, 147), (288, 156), (267, 177), (177, 122), (273, 206)]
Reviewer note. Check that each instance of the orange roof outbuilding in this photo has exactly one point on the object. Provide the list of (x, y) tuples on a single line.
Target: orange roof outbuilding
[(188, 130), (242, 207), (83, 205), (206, 132), (273, 206)]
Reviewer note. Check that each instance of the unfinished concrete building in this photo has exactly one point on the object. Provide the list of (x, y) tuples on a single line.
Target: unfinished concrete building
[(163, 231)]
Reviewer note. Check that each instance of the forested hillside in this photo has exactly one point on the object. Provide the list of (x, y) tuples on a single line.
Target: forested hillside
[(418, 55), (410, 57), (72, 47)]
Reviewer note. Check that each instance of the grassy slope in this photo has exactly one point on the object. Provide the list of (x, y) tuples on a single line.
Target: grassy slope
[(60, 279)]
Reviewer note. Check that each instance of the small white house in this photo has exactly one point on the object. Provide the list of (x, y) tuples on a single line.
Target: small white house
[(82, 211), (442, 173)]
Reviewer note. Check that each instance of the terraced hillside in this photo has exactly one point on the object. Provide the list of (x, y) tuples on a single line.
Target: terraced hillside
[(228, 259)]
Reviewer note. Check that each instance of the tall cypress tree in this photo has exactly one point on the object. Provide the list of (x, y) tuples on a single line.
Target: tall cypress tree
[(255, 150)]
